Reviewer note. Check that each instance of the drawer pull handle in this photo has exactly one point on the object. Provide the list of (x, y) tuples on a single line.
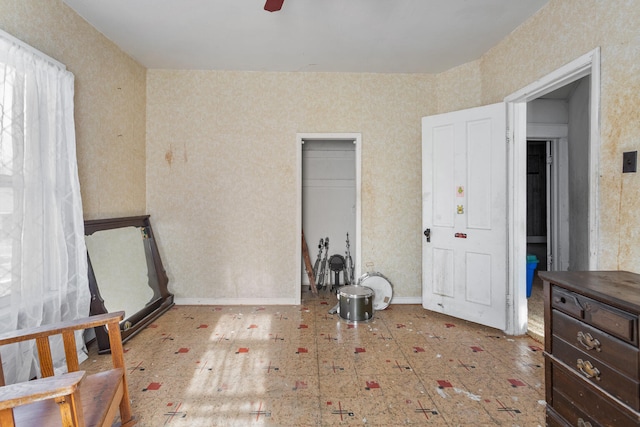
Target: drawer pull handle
[(583, 423), (589, 342), (587, 369), (561, 300)]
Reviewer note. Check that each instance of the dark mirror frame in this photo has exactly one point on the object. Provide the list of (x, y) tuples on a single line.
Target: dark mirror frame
[(134, 322)]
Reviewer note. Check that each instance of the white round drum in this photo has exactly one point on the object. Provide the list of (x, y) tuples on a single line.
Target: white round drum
[(381, 287)]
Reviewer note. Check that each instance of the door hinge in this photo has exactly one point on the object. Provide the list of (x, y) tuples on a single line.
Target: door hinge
[(549, 159), (549, 262), (508, 136)]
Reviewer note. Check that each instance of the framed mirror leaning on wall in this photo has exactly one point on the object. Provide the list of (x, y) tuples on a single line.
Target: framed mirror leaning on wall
[(125, 273)]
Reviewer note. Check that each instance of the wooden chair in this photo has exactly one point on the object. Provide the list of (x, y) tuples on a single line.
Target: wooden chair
[(71, 399)]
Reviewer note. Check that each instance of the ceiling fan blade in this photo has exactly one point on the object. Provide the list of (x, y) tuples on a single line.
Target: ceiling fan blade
[(273, 5)]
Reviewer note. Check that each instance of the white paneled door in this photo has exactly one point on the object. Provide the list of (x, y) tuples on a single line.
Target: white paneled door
[(464, 187)]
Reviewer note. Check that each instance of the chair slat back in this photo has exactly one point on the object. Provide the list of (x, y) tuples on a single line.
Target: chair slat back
[(44, 356), (70, 351), (67, 329), (1, 373)]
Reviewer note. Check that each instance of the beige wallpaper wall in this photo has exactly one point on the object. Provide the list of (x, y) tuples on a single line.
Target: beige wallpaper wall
[(221, 174), (109, 103), (559, 33), (221, 154), (220, 146)]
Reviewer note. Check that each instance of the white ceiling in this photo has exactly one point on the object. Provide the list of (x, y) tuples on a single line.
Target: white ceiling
[(378, 36)]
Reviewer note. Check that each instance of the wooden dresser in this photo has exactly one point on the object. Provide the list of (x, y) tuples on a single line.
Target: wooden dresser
[(592, 369)]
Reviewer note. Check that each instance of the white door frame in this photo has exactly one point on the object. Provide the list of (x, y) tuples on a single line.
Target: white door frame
[(355, 138), (587, 64)]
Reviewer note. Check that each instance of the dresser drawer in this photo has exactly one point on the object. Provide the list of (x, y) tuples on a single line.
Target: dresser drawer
[(566, 301), (588, 400), (609, 319), (553, 419), (597, 344), (598, 373), (566, 412)]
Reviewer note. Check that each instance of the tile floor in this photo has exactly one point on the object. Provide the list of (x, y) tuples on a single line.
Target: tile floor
[(300, 366)]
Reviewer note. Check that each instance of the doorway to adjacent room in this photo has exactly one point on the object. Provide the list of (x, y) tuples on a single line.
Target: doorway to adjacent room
[(329, 182)]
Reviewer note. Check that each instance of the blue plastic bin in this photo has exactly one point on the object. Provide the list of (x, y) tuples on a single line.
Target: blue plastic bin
[(532, 263)]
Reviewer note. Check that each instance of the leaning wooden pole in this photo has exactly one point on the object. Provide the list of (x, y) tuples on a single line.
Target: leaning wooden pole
[(307, 265)]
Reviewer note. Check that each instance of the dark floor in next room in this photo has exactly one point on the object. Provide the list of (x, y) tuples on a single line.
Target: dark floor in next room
[(300, 366)]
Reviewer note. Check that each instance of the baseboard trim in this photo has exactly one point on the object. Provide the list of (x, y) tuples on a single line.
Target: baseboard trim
[(269, 301), (406, 300), (235, 301)]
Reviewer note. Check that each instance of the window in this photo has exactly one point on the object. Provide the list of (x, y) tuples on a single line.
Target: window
[(43, 261), (6, 185)]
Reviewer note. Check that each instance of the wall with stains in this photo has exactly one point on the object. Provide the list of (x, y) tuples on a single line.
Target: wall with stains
[(220, 146), (221, 151), (559, 33), (221, 174), (110, 103)]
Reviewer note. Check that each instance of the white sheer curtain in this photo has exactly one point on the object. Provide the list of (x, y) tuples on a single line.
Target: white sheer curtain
[(43, 262)]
